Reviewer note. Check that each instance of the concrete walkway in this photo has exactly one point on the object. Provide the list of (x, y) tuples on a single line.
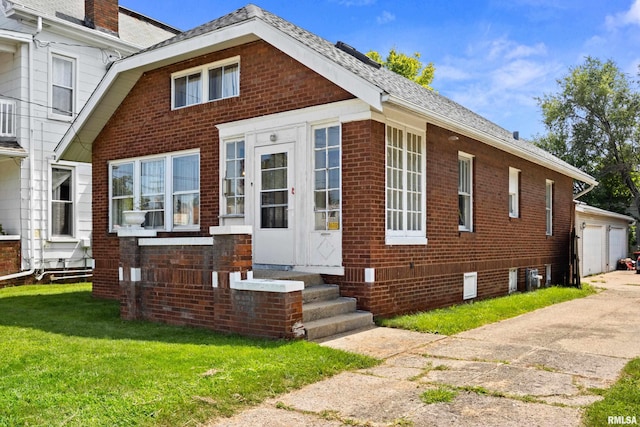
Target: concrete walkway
[(535, 369)]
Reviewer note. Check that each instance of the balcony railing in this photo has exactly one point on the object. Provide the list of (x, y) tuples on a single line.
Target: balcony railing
[(7, 117)]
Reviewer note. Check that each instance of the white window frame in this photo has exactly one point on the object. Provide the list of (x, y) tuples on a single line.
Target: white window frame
[(329, 226), (470, 285), (168, 188), (74, 96), (404, 236), (549, 207), (223, 177), (203, 70), (468, 158), (73, 202), (514, 192)]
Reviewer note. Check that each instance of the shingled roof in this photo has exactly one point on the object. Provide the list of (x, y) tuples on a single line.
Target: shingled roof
[(392, 87)]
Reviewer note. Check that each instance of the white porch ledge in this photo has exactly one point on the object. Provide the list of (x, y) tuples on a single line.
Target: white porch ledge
[(9, 237), (268, 285), (230, 229)]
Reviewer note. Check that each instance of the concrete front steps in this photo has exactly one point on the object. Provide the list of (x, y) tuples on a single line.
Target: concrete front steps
[(324, 311)]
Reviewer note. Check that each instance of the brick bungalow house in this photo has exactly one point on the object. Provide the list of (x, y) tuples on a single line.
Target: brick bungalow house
[(300, 154)]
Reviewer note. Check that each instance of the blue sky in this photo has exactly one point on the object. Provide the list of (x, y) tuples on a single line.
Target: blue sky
[(492, 56)]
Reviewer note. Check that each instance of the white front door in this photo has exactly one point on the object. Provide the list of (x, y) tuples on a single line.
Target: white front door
[(274, 205)]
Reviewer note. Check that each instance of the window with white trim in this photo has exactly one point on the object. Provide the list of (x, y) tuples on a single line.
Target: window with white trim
[(514, 192), (465, 192), (63, 85), (62, 202), (234, 177), (207, 83), (327, 176), (166, 186), (549, 206), (405, 183)]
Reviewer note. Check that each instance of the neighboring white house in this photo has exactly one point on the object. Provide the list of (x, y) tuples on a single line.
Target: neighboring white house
[(603, 238), (52, 56)]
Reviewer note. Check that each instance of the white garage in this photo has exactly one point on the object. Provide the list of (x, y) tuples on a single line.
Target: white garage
[(602, 238)]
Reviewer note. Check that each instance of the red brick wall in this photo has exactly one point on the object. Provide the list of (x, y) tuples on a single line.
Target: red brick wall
[(144, 124), (176, 288), (417, 277)]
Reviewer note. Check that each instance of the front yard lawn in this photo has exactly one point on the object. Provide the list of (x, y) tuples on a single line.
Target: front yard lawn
[(459, 318), (67, 359)]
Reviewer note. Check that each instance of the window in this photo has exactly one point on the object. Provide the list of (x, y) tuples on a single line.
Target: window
[(470, 286), (514, 192), (167, 187), (61, 202), (234, 178), (465, 192), (405, 182), (549, 207), (62, 85), (327, 177), (215, 81)]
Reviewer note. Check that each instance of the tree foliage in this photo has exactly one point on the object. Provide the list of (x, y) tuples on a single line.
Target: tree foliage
[(593, 122), (408, 66)]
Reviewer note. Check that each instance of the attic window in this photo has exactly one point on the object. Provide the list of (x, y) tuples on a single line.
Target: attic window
[(210, 82), (357, 54)]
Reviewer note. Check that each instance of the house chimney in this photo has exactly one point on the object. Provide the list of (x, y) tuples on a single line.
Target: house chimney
[(101, 15)]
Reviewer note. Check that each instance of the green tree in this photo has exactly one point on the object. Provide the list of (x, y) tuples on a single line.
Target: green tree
[(593, 122), (407, 66)]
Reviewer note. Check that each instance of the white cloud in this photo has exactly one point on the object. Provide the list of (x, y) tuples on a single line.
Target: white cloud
[(386, 17), (630, 17)]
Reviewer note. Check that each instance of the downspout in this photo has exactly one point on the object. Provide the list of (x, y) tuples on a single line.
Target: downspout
[(31, 167), (585, 191)]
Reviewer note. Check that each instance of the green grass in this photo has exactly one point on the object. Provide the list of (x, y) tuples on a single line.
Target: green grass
[(622, 399), (438, 395), (459, 318), (67, 359)]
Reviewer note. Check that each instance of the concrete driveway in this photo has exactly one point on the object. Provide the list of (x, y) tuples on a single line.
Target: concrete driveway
[(535, 369)]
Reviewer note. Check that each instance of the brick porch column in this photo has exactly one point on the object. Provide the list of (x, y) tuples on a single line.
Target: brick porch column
[(130, 271)]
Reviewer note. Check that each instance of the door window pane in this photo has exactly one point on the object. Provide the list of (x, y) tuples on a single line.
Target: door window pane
[(274, 194)]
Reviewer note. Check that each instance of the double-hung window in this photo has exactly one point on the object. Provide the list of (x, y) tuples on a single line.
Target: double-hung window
[(63, 84), (465, 192), (234, 178), (514, 192), (210, 82), (405, 185), (549, 206), (167, 187), (61, 202)]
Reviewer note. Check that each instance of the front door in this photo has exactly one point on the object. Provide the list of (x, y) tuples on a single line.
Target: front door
[(274, 203)]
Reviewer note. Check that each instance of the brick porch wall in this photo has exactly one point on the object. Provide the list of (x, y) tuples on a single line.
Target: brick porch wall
[(10, 261), (418, 277), (176, 287)]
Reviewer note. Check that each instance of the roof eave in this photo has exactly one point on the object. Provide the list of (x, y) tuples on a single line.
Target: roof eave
[(463, 129)]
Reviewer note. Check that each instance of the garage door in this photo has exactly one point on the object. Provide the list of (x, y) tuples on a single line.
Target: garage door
[(592, 250), (617, 246)]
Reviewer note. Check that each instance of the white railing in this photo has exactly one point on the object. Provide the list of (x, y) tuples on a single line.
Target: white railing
[(7, 117)]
